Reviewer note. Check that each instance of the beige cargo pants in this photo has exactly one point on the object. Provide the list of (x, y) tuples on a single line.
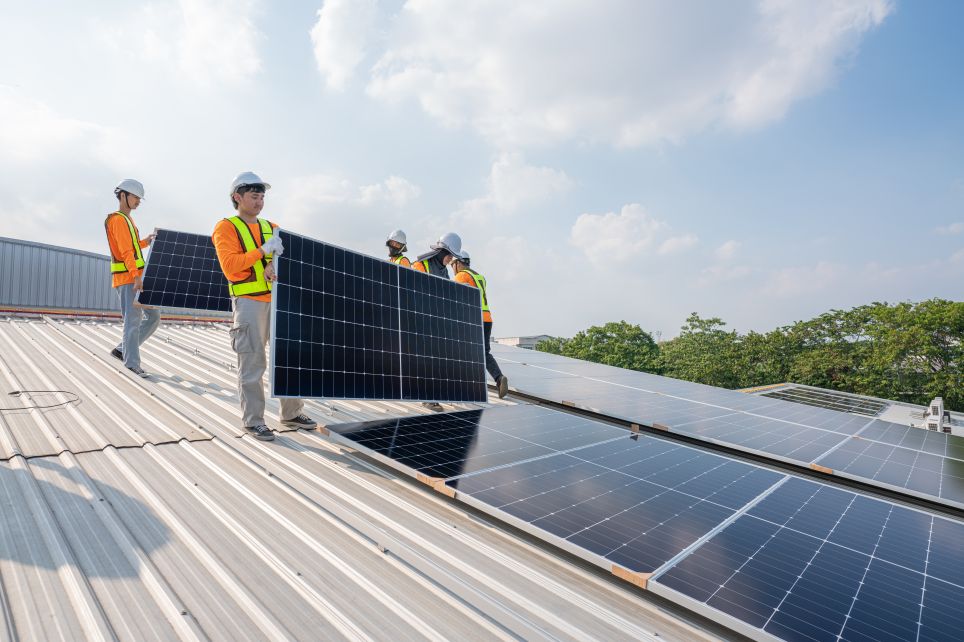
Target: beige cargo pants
[(249, 337)]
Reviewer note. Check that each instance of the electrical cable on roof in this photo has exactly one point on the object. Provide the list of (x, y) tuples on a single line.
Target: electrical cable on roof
[(17, 393)]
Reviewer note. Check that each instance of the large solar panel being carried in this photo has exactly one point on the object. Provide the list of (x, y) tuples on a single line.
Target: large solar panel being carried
[(925, 464), (182, 271), (770, 555), (349, 326)]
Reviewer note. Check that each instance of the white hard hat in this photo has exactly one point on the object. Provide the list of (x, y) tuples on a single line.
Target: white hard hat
[(465, 257), (130, 186), (398, 236), (450, 242), (247, 178)]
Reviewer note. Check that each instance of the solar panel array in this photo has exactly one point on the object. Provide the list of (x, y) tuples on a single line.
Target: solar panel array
[(924, 464), (829, 399), (182, 271), (765, 553), (349, 326)]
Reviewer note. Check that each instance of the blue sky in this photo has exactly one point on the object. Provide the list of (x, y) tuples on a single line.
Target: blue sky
[(761, 161)]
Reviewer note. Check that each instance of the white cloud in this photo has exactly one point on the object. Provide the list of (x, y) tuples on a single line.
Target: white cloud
[(797, 281), (613, 237), (727, 251), (512, 185), (340, 37), (950, 230), (542, 72), (675, 244), (209, 42)]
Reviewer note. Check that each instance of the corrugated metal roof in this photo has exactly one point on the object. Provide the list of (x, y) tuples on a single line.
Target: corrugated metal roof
[(35, 275), (142, 513)]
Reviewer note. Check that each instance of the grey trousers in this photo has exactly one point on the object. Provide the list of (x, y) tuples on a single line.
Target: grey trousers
[(139, 325), (249, 336)]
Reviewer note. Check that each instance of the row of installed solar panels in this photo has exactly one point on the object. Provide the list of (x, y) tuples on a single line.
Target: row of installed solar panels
[(768, 554), (344, 325)]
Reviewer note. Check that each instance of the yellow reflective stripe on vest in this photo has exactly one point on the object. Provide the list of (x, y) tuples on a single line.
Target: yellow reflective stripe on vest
[(255, 284), (480, 283), (117, 267), (425, 265), (397, 259)]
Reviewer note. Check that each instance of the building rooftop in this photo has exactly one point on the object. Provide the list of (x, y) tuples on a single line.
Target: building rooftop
[(140, 511)]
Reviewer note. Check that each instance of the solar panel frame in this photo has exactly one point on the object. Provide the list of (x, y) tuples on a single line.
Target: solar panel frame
[(805, 436), (339, 329), (829, 399), (828, 550), (182, 271)]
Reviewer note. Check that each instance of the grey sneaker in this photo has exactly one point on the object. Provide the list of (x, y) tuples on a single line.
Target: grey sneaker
[(503, 384), (261, 432), (139, 371), (117, 354), (434, 406), (301, 421)]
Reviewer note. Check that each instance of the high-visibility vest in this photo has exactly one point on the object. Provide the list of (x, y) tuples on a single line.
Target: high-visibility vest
[(479, 283), (425, 265), (255, 284), (398, 259), (117, 266)]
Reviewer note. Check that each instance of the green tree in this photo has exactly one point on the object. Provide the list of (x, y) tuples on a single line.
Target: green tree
[(704, 352), (619, 344)]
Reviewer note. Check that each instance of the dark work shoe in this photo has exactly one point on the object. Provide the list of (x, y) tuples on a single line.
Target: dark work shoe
[(117, 354), (434, 406), (503, 384), (260, 432), (139, 372), (301, 421)]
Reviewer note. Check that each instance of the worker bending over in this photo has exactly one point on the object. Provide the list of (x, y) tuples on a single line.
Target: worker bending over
[(246, 245), (465, 274), (439, 255), (127, 274)]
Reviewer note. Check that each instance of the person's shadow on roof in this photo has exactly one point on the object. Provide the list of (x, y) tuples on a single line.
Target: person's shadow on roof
[(82, 510)]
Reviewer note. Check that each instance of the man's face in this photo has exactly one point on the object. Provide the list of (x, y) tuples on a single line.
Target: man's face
[(447, 259), (133, 201), (250, 203), (395, 245)]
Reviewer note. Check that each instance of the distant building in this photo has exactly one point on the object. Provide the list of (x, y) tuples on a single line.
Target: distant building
[(529, 343)]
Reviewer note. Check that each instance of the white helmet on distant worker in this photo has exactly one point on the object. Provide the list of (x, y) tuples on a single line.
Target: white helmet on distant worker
[(247, 178), (465, 257), (450, 242), (398, 236), (130, 186)]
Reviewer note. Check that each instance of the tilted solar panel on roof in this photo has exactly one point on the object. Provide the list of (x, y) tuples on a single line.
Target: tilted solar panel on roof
[(349, 326), (768, 554), (182, 271), (857, 447)]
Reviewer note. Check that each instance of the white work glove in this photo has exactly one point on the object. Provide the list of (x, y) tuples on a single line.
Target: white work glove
[(274, 246)]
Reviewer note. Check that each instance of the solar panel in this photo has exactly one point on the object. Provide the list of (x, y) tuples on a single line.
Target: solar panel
[(830, 399), (767, 554), (182, 271), (449, 445), (349, 326), (810, 561), (826, 440)]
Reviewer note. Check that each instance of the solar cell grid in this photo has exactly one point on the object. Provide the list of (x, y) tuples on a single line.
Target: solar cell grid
[(829, 399), (814, 562), (182, 271), (350, 326)]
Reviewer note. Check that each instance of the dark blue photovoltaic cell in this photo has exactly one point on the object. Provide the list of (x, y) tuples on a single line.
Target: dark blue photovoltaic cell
[(634, 502), (815, 562), (346, 326), (447, 445), (182, 271), (923, 463)]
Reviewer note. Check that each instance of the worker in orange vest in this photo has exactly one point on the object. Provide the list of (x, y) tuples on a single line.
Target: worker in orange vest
[(468, 276), (439, 256), (246, 245), (397, 244), (127, 269)]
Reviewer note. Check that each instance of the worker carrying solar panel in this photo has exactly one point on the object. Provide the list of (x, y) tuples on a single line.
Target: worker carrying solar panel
[(397, 243), (439, 255), (127, 268), (465, 274), (246, 246)]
